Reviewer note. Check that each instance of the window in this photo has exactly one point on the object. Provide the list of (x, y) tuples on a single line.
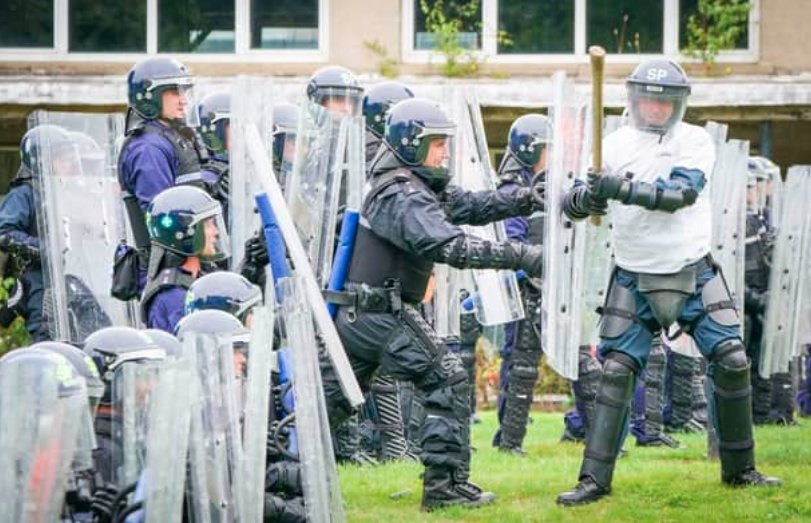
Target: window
[(195, 26), (27, 23), (625, 26), (284, 24), (536, 26), (518, 31), (470, 33), (112, 26)]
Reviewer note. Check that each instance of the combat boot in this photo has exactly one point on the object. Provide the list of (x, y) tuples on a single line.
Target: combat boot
[(586, 491), (439, 489), (281, 510)]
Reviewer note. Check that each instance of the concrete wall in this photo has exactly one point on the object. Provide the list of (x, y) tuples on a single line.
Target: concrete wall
[(784, 26), (354, 23)]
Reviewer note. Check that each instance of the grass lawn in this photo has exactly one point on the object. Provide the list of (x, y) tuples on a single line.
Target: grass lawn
[(660, 484)]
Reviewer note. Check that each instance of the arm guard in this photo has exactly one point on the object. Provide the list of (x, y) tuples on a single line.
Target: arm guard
[(679, 191), (469, 252)]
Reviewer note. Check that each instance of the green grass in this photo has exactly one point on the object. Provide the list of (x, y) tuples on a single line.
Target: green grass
[(651, 484)]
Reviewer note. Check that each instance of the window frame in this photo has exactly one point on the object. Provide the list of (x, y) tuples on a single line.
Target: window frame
[(489, 49), (242, 42)]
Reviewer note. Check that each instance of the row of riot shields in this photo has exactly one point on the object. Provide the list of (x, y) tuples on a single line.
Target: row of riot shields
[(787, 327), (80, 221)]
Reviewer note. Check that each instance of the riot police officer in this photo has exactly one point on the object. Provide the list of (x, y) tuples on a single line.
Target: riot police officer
[(407, 224), (524, 160), (225, 291), (186, 227), (655, 172), (285, 126), (377, 101), (19, 239), (336, 89), (214, 117)]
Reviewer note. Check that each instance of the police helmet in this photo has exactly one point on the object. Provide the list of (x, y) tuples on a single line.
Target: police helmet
[(334, 82), (149, 78), (213, 321), (411, 126), (84, 366), (529, 135), (42, 138), (378, 100), (112, 347), (226, 291), (182, 220), (285, 126), (43, 368), (165, 341), (662, 81), (214, 113)]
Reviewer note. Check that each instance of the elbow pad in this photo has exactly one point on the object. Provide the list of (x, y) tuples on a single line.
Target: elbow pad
[(668, 197)]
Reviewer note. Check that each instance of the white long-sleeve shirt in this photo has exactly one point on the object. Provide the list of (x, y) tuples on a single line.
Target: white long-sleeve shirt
[(658, 242)]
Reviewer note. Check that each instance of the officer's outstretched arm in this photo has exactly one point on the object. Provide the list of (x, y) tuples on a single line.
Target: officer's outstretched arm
[(470, 252), (482, 207), (679, 190)]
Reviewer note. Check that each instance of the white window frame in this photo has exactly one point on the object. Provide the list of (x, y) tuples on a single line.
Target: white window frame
[(489, 50), (242, 50)]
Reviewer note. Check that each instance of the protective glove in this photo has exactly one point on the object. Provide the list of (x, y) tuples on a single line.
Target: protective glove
[(530, 199), (530, 259), (580, 203), (256, 250), (605, 186), (103, 501), (25, 251)]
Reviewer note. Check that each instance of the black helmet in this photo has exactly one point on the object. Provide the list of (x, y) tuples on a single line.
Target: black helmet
[(412, 124), (378, 100), (214, 114), (529, 135), (111, 347), (149, 78), (225, 291), (42, 138), (335, 82), (83, 364), (178, 220), (659, 80)]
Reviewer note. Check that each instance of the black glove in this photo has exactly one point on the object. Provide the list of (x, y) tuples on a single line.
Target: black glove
[(103, 501), (605, 186), (530, 259), (580, 203), (530, 199), (26, 252), (256, 250)]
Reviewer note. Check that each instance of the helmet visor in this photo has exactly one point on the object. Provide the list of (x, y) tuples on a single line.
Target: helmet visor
[(176, 99), (340, 101), (211, 241), (656, 108)]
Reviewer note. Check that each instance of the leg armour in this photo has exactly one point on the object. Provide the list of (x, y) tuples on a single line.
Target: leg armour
[(411, 401), (610, 417), (518, 397), (761, 399), (470, 332), (733, 408), (388, 422), (585, 388), (804, 392), (648, 420), (684, 370), (282, 510), (782, 399), (700, 417)]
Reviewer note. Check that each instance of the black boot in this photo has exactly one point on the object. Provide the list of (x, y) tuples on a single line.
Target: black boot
[(603, 442), (284, 477), (281, 510), (440, 489), (733, 407)]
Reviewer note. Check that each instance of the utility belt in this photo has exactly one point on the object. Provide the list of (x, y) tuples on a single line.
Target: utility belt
[(362, 297)]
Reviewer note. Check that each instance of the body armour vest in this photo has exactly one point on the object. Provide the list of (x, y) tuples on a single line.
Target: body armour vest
[(189, 153), (167, 278), (375, 260)]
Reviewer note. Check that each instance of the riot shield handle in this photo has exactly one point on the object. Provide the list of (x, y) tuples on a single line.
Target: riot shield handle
[(597, 59)]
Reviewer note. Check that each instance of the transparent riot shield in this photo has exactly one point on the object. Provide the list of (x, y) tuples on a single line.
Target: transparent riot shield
[(788, 308), (41, 403), (446, 288), (328, 160), (215, 446), (251, 103), (322, 494), (254, 411), (564, 252), (599, 263), (728, 197), (131, 392), (80, 220), (718, 132), (167, 441), (496, 296)]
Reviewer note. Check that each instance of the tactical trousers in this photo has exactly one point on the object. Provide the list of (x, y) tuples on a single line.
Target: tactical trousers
[(519, 373), (405, 347), (578, 420)]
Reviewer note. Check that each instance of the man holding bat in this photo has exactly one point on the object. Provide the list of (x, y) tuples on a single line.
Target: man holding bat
[(655, 174)]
